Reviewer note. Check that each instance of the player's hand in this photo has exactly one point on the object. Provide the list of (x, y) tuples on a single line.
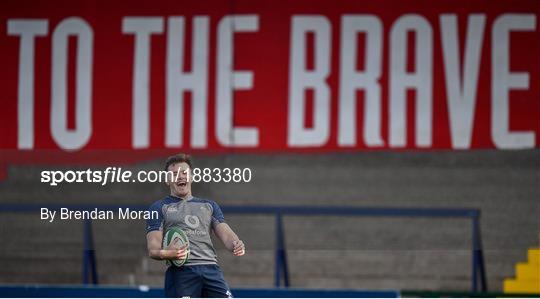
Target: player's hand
[(174, 254), (239, 248)]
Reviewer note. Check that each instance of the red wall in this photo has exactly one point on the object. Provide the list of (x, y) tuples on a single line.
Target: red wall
[(491, 99)]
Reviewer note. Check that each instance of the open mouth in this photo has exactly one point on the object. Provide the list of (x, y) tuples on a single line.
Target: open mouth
[(181, 184)]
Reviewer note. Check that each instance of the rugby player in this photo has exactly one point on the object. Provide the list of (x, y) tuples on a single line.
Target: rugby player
[(201, 275)]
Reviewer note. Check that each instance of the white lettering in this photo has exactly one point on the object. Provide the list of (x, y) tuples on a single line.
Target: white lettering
[(229, 80), (142, 28), (420, 80), (28, 30), (352, 80), (461, 90), (502, 81), (179, 81), (302, 79), (65, 138)]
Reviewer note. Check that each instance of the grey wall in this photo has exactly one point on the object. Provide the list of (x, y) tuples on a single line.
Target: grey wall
[(328, 251)]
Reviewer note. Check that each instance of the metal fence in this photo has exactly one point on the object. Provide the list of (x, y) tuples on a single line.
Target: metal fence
[(89, 264)]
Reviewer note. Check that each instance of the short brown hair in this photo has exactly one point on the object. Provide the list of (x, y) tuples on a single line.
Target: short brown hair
[(178, 158)]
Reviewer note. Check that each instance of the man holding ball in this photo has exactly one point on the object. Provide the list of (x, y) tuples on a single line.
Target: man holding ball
[(200, 276)]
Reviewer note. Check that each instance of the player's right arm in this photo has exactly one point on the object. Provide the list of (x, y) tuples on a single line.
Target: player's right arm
[(154, 237), (153, 243)]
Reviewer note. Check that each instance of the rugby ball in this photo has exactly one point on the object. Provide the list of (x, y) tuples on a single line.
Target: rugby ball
[(175, 238)]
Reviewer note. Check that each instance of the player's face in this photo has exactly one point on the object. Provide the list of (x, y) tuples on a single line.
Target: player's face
[(180, 187)]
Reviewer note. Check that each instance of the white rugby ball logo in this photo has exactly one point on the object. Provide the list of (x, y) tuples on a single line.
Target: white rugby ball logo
[(192, 221)]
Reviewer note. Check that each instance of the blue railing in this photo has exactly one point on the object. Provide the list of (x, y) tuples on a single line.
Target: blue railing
[(76, 291), (478, 277)]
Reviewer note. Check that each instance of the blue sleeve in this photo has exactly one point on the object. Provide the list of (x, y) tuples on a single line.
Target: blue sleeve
[(153, 224), (217, 215)]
